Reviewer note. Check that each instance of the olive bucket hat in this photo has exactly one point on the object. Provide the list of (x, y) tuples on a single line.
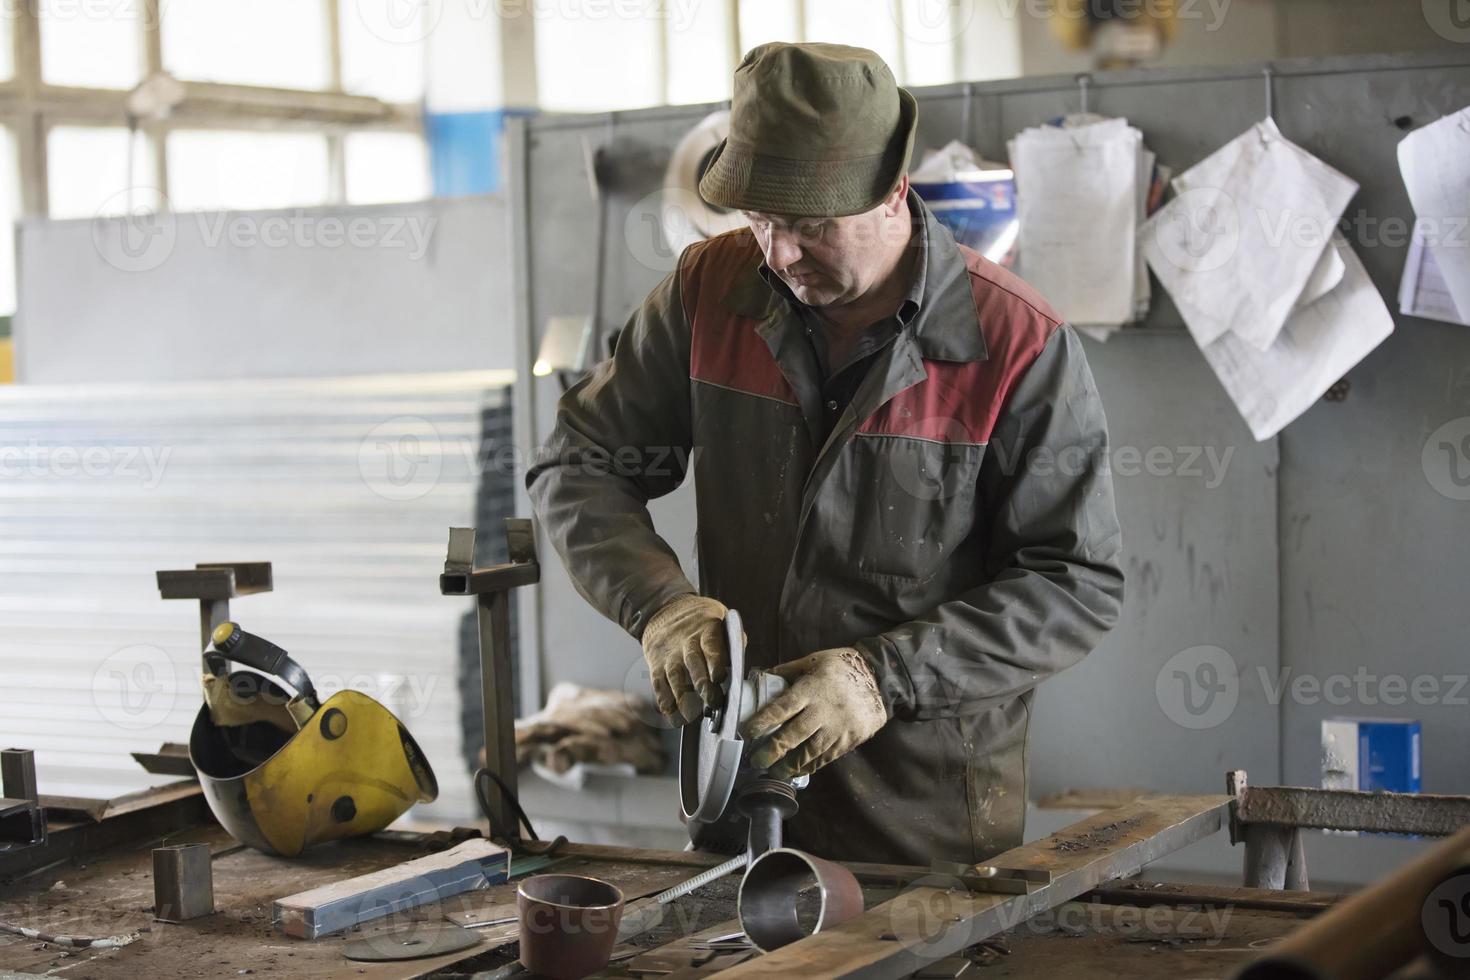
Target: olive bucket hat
[(816, 130)]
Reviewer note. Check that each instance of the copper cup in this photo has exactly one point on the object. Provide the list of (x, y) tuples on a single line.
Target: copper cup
[(569, 924)]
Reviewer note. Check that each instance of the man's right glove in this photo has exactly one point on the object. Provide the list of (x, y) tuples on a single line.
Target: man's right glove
[(684, 644)]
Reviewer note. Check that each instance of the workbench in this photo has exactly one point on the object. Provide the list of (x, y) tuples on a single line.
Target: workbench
[(1121, 928)]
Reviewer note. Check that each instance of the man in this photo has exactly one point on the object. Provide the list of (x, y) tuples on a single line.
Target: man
[(898, 474)]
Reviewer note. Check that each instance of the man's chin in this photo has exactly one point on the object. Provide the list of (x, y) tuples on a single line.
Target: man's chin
[(814, 295)]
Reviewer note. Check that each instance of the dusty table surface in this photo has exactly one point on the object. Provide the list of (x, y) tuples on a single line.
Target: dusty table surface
[(111, 893)]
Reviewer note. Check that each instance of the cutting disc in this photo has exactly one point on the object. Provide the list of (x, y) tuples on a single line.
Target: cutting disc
[(411, 943), (709, 749)]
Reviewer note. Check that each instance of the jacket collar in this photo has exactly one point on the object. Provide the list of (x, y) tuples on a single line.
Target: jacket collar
[(945, 326)]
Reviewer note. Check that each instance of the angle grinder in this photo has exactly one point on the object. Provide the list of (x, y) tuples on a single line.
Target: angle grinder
[(729, 805)]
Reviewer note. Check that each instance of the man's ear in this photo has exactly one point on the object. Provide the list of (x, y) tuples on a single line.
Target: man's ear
[(895, 201)]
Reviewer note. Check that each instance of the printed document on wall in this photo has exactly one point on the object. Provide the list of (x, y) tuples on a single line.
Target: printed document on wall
[(1435, 163), (1422, 290), (1078, 200)]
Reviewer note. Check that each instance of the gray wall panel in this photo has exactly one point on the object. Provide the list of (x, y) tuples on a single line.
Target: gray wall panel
[(1197, 502)]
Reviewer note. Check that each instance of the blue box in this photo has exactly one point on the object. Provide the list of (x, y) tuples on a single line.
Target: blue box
[(1372, 755)]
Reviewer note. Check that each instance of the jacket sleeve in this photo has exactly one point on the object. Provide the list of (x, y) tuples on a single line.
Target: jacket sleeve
[(622, 438), (1053, 559)]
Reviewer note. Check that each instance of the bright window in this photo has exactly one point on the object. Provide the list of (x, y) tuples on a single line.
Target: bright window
[(7, 45), (864, 23), (383, 54), (281, 43), (762, 21), (386, 167), (98, 171), (91, 43), (699, 51), (929, 30), (599, 59), (227, 170)]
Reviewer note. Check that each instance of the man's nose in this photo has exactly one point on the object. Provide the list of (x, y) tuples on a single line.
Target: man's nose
[(784, 250)]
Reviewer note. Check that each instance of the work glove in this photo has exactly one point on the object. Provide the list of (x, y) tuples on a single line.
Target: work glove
[(684, 644), (831, 707)]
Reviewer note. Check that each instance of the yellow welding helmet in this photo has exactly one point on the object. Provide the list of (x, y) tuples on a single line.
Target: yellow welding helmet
[(282, 771)]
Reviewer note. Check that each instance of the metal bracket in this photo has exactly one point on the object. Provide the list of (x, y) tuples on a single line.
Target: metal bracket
[(214, 584), (22, 819), (491, 588)]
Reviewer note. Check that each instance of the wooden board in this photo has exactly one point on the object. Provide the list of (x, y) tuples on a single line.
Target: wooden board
[(926, 923)]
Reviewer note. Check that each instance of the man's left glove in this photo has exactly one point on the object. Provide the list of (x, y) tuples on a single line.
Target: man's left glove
[(831, 708)]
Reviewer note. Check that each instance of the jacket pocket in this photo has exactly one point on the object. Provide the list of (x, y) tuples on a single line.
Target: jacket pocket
[(912, 503)]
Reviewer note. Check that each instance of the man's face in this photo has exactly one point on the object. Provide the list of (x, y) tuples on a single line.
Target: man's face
[(826, 261)]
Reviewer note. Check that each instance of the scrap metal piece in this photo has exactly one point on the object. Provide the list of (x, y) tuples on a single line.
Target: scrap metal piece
[(183, 882), (214, 584), (171, 759), (1423, 814), (491, 589), (22, 823), (768, 903), (18, 775), (473, 865), (411, 943)]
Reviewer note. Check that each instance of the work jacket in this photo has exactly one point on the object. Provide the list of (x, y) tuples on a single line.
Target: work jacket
[(956, 527)]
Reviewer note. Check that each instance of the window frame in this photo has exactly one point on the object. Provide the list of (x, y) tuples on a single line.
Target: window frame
[(32, 108)]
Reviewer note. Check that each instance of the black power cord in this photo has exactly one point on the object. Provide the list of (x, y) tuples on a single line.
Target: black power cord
[(515, 804)]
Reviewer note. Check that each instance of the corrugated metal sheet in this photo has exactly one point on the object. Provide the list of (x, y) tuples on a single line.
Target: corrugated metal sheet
[(347, 486)]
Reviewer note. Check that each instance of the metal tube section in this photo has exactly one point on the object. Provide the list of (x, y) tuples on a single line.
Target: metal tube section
[(768, 905), (1274, 857), (18, 775), (1418, 909)]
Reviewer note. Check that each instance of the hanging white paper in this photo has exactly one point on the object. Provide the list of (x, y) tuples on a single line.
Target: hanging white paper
[(1078, 206), (1318, 345), (1242, 238)]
